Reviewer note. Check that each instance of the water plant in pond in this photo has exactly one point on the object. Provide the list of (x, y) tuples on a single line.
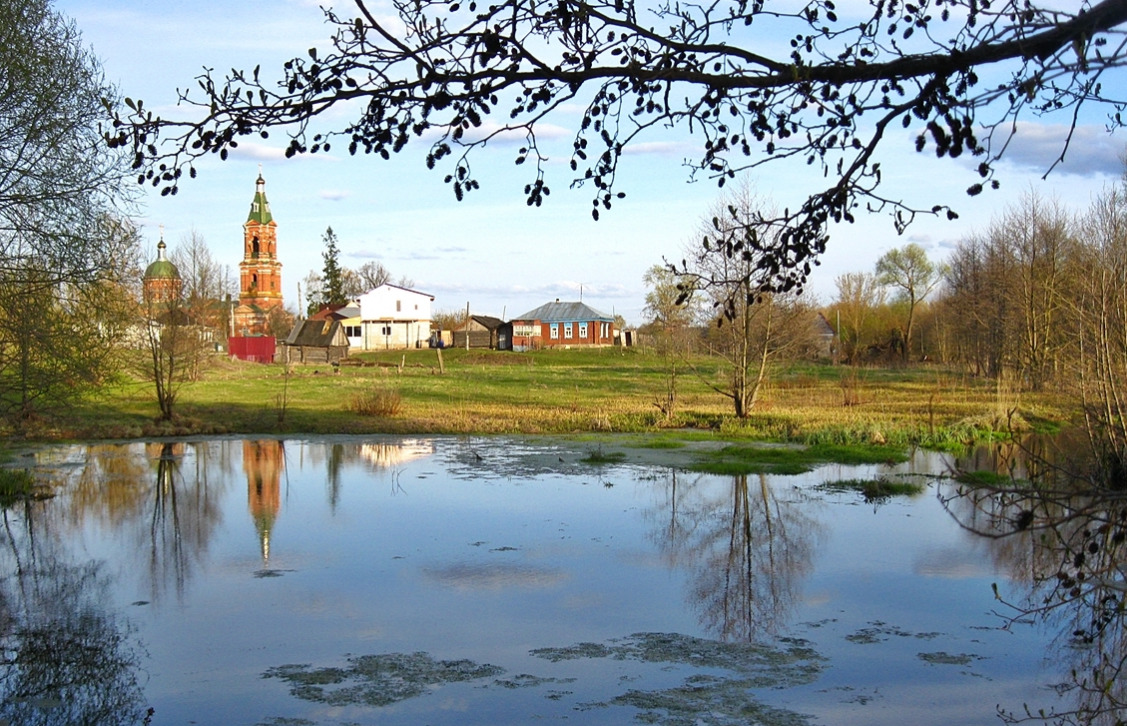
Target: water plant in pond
[(378, 680), (708, 698), (792, 459), (875, 490), (598, 456), (717, 679), (18, 485), (984, 479)]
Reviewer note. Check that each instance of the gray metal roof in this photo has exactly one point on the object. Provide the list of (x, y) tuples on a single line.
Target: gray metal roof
[(565, 312)]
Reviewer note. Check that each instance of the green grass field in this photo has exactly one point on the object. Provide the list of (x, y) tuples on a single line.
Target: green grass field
[(560, 392)]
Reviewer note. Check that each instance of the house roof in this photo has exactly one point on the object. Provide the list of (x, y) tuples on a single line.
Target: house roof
[(564, 312), (320, 333), (400, 287), (488, 322), (352, 310)]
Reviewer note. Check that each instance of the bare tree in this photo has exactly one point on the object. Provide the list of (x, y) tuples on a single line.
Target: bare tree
[(859, 294), (753, 326), (206, 282), (373, 274), (672, 312), (462, 75), (1039, 234)]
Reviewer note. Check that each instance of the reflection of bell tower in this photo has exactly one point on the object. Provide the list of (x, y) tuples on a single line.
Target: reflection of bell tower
[(263, 462), (260, 272)]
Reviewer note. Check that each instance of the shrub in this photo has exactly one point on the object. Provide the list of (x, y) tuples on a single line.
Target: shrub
[(376, 401)]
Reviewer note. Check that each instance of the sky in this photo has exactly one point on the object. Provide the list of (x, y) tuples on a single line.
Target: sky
[(491, 251)]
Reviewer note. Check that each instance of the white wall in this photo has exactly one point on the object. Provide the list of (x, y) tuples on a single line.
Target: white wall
[(394, 317)]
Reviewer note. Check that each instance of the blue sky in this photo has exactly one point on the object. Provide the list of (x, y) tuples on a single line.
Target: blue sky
[(491, 250)]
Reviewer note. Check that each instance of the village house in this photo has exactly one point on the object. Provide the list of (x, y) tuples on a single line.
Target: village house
[(562, 324), (393, 317)]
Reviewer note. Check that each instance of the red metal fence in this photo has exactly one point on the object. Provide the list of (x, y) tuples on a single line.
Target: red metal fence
[(258, 349)]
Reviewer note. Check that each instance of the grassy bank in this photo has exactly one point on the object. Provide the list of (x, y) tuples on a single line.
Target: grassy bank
[(556, 392)]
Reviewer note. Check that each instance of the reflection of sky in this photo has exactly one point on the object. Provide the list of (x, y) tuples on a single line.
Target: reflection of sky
[(490, 568)]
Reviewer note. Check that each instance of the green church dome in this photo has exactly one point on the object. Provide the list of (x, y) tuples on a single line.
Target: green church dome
[(162, 268)]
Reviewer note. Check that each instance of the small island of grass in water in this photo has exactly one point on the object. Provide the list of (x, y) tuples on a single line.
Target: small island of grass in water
[(875, 489)]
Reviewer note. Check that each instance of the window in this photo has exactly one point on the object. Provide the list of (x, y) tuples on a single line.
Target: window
[(554, 331), (352, 331), (583, 331), (385, 330), (398, 306), (567, 330)]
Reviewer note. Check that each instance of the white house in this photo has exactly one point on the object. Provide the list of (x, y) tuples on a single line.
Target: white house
[(393, 317)]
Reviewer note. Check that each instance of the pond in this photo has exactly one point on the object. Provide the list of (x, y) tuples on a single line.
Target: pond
[(504, 580)]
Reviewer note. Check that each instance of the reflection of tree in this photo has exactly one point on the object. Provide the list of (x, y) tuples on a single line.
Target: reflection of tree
[(747, 550), (335, 464), (1068, 547), (171, 513), (65, 659)]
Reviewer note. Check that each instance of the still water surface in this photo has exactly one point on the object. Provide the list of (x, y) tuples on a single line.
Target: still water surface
[(464, 580)]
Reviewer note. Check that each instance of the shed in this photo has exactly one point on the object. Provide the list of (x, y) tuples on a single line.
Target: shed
[(315, 341), (484, 331)]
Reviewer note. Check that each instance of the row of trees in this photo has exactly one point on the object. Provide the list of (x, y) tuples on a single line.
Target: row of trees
[(1038, 297), (1014, 299)]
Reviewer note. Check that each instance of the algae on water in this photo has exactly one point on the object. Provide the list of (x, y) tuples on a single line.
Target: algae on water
[(717, 688), (378, 680)]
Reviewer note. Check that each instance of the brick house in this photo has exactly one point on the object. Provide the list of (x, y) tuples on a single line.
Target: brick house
[(562, 325)]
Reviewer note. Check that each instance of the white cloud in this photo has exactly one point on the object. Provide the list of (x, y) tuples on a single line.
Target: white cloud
[(334, 195), (1035, 146), (255, 151), (662, 148)]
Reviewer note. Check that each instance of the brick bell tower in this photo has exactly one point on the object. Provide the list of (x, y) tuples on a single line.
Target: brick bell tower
[(260, 272)]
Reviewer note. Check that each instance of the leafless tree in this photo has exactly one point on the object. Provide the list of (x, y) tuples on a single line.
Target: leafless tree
[(958, 74), (858, 296), (752, 326), (207, 283)]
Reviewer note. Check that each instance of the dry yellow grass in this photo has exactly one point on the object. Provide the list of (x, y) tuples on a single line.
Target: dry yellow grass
[(564, 392)]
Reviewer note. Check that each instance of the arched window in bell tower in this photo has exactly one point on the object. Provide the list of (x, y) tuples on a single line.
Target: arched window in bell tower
[(254, 246), (254, 280)]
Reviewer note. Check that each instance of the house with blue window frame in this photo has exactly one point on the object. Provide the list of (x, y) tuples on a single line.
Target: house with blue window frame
[(562, 325)]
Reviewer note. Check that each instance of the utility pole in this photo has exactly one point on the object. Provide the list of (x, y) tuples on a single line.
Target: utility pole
[(467, 324)]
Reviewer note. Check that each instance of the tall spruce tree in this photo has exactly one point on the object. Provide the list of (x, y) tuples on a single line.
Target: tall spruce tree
[(332, 274)]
